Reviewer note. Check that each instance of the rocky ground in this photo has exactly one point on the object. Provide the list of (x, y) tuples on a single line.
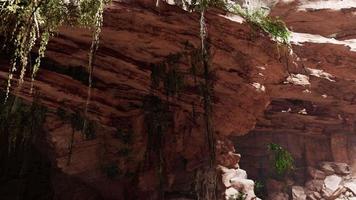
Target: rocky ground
[(331, 180)]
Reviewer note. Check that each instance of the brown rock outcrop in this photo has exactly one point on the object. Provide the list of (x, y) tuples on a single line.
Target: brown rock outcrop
[(122, 159)]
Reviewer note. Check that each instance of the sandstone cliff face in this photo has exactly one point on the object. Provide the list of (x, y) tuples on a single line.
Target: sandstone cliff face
[(315, 122), (121, 160)]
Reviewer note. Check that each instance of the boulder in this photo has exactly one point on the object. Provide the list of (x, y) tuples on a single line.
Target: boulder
[(337, 194), (298, 193), (314, 185), (245, 186), (229, 174), (316, 174), (351, 186), (335, 168), (231, 193), (332, 183), (313, 195), (342, 168), (327, 168)]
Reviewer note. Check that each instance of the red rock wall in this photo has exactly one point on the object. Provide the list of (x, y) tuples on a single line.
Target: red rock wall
[(135, 36)]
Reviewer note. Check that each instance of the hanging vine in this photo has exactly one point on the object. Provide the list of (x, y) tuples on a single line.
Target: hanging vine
[(157, 119), (26, 23), (165, 77), (76, 120)]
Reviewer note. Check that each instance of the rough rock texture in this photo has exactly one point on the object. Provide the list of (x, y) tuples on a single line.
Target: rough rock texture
[(237, 184), (335, 186), (314, 121), (122, 160), (252, 103)]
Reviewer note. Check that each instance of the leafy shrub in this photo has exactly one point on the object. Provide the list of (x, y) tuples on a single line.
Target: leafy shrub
[(259, 188), (275, 27), (283, 161)]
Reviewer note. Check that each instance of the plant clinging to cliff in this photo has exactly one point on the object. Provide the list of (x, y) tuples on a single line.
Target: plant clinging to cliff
[(259, 18), (26, 23), (283, 161)]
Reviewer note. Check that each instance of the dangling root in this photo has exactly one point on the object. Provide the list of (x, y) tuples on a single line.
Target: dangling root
[(92, 53)]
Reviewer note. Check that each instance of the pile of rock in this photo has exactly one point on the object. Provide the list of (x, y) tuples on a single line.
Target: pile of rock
[(332, 181), (238, 186)]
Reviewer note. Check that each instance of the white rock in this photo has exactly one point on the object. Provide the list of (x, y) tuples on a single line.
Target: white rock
[(327, 168), (245, 186), (332, 183), (298, 79), (327, 4), (337, 167), (259, 87), (234, 18), (231, 193), (229, 174), (298, 193), (351, 186), (320, 74), (261, 67), (299, 38), (303, 111)]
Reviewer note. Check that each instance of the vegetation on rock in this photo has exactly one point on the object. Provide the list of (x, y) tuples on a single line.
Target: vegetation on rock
[(273, 26), (28, 23), (283, 161)]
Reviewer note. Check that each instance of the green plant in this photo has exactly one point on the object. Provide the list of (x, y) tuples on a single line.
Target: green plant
[(25, 23), (283, 161), (20, 121), (24, 168), (239, 196), (259, 188), (274, 26)]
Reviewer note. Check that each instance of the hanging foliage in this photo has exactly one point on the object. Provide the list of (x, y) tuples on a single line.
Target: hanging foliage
[(259, 18), (20, 122), (25, 23)]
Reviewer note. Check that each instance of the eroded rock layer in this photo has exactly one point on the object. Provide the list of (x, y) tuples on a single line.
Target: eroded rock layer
[(146, 136)]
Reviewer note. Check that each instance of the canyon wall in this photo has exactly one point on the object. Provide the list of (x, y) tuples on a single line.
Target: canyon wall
[(314, 120), (149, 131)]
